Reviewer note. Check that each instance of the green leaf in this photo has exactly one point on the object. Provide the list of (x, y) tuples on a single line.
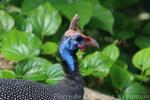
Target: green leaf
[(107, 3), (70, 8), (96, 64), (80, 54), (120, 77), (135, 91), (35, 76), (147, 73), (141, 59), (121, 63), (22, 24), (103, 17), (49, 48), (111, 51), (121, 4), (33, 69), (87, 71), (55, 74), (124, 34), (141, 78), (12, 8), (142, 41), (7, 74), (20, 45), (125, 24), (28, 5), (45, 20), (6, 22), (146, 28)]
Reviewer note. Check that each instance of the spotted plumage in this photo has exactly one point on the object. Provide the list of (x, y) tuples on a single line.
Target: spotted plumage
[(71, 88), (15, 89)]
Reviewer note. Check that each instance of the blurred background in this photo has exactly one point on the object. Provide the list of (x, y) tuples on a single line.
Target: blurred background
[(30, 32)]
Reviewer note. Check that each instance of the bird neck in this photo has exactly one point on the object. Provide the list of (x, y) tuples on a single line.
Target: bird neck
[(69, 61)]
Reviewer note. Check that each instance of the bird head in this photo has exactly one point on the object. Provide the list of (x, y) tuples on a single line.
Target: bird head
[(73, 38)]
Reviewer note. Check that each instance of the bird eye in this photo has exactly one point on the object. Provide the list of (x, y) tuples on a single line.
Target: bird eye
[(79, 38)]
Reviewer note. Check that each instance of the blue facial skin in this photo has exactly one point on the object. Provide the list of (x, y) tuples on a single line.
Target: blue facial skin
[(67, 50)]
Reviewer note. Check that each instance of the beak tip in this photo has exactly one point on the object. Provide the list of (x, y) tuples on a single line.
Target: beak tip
[(96, 45), (91, 42)]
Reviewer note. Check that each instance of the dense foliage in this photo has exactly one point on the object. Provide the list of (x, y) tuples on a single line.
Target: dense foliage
[(30, 31)]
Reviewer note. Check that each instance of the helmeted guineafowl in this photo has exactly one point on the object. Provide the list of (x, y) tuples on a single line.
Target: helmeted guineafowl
[(71, 88)]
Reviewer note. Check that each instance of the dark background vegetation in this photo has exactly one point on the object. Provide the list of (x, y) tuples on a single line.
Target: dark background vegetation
[(30, 31)]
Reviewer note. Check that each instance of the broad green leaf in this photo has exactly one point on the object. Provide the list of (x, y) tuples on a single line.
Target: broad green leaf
[(96, 64), (7, 74), (121, 63), (147, 73), (70, 8), (33, 69), (61, 30), (141, 59), (122, 3), (22, 24), (141, 78), (111, 51), (146, 28), (125, 23), (102, 17), (80, 54), (6, 22), (120, 77), (135, 91), (20, 45), (45, 20), (13, 9), (37, 75), (49, 48), (87, 71), (28, 5), (124, 34), (55, 74), (107, 3), (142, 41)]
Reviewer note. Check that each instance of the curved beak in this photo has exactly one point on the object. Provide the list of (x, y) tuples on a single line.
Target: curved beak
[(88, 42)]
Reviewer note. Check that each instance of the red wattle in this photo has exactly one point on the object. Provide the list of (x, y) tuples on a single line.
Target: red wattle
[(82, 47)]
